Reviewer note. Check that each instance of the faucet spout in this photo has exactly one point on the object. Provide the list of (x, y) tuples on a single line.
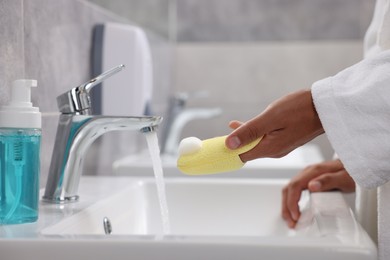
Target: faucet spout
[(77, 129), (75, 134)]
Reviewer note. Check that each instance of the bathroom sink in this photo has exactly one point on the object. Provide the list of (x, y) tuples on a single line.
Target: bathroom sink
[(209, 219), (286, 167), (197, 208)]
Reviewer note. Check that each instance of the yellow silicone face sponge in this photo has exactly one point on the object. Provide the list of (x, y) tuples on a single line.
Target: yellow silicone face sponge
[(209, 156)]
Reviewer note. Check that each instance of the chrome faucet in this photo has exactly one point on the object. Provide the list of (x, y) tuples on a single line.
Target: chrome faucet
[(76, 131)]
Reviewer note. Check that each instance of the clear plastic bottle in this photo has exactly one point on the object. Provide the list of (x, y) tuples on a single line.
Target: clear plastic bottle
[(20, 140)]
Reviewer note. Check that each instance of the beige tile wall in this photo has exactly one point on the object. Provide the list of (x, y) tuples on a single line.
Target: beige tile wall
[(244, 78)]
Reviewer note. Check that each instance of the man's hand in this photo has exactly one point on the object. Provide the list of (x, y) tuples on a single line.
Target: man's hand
[(324, 176), (286, 124)]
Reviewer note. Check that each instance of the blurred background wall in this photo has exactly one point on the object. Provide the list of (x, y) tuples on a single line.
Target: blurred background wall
[(247, 53), (243, 53), (51, 41)]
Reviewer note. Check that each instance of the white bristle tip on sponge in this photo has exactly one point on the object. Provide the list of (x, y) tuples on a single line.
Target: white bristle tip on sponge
[(190, 145)]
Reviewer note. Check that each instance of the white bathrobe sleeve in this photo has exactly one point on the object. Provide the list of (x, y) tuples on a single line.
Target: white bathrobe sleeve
[(354, 108)]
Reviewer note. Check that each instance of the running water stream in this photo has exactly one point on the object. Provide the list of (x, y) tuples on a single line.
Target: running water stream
[(154, 150)]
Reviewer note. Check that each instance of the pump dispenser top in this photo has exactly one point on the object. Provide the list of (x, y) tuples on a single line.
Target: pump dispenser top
[(20, 112)]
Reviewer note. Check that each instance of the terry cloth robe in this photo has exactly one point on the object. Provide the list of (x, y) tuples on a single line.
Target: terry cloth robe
[(354, 108)]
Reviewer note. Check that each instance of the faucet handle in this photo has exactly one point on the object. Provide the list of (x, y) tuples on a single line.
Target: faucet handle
[(77, 100)]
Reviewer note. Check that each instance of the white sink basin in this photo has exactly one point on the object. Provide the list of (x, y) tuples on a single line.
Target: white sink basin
[(210, 219), (286, 167), (196, 207)]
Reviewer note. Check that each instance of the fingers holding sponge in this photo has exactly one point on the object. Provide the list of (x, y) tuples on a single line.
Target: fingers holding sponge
[(210, 156)]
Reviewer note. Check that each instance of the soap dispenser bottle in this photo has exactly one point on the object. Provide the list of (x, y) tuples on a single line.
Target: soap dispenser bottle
[(20, 139)]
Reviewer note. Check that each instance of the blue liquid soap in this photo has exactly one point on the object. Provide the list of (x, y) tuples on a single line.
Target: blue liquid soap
[(19, 175)]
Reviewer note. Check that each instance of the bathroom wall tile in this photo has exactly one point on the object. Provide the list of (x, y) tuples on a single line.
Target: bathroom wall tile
[(270, 20), (243, 79), (258, 72), (58, 46), (58, 54), (58, 49), (11, 46), (150, 14)]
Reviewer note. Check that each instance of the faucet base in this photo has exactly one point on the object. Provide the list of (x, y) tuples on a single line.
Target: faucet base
[(58, 200)]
